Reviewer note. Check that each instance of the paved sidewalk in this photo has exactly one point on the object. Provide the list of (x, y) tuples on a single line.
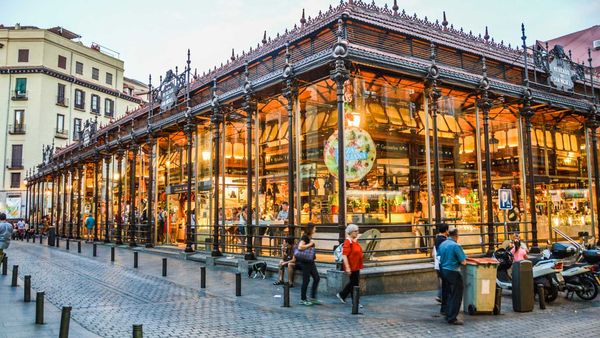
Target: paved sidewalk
[(107, 298), (17, 318)]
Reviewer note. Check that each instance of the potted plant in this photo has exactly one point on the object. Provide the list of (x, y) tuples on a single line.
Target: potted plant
[(355, 205), (382, 204), (366, 206), (334, 202)]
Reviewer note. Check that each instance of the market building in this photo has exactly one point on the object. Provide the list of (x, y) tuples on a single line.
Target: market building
[(436, 125), (50, 85)]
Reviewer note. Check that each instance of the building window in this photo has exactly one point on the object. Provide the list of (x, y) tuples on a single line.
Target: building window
[(79, 99), (95, 73), (21, 88), (95, 104), (76, 129), (18, 126), (17, 156), (109, 107), (23, 55), (60, 126), (109, 78), (60, 95), (15, 180), (79, 68), (62, 62)]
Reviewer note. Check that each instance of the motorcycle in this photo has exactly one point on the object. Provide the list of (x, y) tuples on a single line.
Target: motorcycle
[(579, 276), (545, 271)]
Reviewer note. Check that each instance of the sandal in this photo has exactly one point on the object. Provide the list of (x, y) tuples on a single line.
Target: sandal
[(278, 283)]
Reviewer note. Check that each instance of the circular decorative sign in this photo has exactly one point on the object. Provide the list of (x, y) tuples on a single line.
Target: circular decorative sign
[(359, 153)]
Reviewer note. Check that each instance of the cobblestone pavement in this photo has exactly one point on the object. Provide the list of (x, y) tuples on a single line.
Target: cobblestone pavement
[(107, 298)]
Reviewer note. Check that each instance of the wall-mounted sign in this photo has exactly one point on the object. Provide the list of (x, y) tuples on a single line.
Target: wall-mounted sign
[(561, 70), (13, 207), (169, 87), (560, 74), (359, 153)]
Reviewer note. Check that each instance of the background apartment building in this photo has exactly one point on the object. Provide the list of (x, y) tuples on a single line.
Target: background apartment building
[(50, 85)]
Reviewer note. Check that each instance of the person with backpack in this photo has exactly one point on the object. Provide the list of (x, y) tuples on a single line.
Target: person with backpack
[(305, 260), (6, 230), (353, 257)]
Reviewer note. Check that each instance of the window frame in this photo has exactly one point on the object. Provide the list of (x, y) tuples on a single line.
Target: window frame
[(16, 175), (58, 94), (95, 74), (109, 107), (22, 93), (14, 164), (109, 76), (79, 100), (59, 128), (95, 98), (21, 113), (64, 62), (23, 55), (78, 67), (77, 124)]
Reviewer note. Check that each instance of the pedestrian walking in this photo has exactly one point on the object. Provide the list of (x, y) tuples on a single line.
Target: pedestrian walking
[(439, 239), (452, 257), (90, 222), (305, 260), (353, 257), (6, 230), (287, 260)]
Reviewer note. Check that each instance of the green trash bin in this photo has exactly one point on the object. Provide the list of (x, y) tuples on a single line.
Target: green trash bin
[(479, 278)]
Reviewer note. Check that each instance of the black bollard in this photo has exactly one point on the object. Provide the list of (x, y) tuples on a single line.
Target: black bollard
[(39, 308), (498, 301), (41, 238), (164, 267), (203, 277), (65, 319), (542, 295), (138, 331), (68, 244), (15, 274), (5, 265), (355, 299), (57, 242), (238, 284), (112, 253), (94, 252), (78, 246), (135, 259), (27, 289), (286, 295), (27, 238)]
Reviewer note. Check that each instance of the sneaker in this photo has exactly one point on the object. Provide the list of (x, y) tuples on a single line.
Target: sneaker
[(438, 299), (456, 322), (340, 298), (315, 301), (278, 283), (306, 302)]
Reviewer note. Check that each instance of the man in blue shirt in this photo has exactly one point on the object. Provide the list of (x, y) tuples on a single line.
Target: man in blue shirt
[(452, 257)]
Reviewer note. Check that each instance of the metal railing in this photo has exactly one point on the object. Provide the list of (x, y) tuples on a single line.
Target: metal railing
[(14, 163), (62, 101), (20, 95), (61, 133), (16, 129)]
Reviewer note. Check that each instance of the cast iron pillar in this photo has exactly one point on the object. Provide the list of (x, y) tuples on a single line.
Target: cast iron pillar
[(41, 194), (528, 113), (53, 178), (150, 189), (593, 123), (340, 75), (97, 168), (120, 154), (434, 95), (485, 104), (27, 194), (59, 183), (79, 202), (71, 199), (65, 194), (107, 159), (132, 168), (216, 120), (189, 134), (249, 107)]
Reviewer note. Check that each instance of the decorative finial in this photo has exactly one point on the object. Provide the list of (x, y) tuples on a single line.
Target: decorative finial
[(486, 37), (264, 39), (444, 22), (432, 55), (395, 7), (302, 19), (484, 67), (232, 54), (287, 52), (188, 58)]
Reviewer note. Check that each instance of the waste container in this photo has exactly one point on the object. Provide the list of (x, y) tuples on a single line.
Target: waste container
[(480, 285), (51, 236), (522, 286)]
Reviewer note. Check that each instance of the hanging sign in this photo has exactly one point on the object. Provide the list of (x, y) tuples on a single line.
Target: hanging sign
[(505, 199), (359, 153)]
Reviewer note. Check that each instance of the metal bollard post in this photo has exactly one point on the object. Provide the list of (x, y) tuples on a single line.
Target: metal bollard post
[(164, 267), (39, 308), (542, 295), (57, 242), (238, 284), (5, 265), (41, 238), (27, 238), (112, 253), (94, 251), (203, 277), (78, 246), (27, 289), (65, 319), (15, 274), (286, 295), (135, 259), (68, 242), (355, 299), (498, 301), (138, 331)]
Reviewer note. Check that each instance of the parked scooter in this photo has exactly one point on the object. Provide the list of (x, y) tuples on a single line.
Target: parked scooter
[(545, 272), (579, 276)]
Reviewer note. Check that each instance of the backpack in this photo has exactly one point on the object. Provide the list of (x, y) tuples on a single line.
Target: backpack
[(338, 253)]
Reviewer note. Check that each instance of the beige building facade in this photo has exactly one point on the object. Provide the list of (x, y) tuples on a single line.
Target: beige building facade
[(50, 85)]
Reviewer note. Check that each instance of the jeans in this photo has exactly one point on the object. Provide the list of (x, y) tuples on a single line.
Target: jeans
[(452, 292), (439, 276), (354, 278), (309, 269)]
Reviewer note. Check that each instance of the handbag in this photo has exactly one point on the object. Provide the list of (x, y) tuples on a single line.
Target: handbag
[(306, 255)]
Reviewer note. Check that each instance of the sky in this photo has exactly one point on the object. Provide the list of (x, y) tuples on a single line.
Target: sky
[(153, 36)]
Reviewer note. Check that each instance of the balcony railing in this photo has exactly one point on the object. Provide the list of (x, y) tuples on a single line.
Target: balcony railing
[(15, 163), (20, 95), (61, 133), (62, 101), (16, 129)]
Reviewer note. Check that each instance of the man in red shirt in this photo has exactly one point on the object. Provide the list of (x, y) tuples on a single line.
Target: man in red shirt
[(353, 261)]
